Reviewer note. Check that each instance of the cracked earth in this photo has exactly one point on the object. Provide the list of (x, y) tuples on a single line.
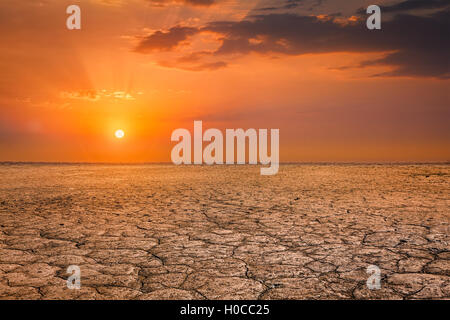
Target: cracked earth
[(226, 232)]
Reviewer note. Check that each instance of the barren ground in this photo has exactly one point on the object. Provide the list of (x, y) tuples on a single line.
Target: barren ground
[(159, 231)]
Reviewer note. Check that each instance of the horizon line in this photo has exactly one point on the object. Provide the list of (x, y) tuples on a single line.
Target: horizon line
[(447, 162)]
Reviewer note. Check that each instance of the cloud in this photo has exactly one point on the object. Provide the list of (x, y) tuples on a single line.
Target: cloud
[(96, 95), (204, 3), (196, 67), (414, 45), (293, 4), (88, 95), (409, 5), (165, 41)]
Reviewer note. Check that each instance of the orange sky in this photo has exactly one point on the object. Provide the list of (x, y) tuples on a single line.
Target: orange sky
[(64, 93)]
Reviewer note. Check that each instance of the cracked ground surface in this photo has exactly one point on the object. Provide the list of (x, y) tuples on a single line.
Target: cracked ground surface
[(226, 232)]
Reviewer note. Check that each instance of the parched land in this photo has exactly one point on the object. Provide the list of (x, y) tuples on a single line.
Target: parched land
[(224, 232)]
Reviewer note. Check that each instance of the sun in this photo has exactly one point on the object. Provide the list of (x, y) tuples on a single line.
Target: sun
[(119, 134)]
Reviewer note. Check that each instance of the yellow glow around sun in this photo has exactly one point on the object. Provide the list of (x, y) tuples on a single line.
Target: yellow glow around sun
[(119, 134)]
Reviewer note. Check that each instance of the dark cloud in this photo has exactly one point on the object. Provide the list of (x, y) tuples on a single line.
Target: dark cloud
[(188, 2), (416, 4), (290, 4), (409, 5), (165, 41), (293, 4), (414, 45), (200, 2)]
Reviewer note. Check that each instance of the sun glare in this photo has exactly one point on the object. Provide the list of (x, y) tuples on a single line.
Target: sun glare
[(119, 134)]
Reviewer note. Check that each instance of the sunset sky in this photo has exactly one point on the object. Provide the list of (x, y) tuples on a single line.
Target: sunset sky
[(336, 90)]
